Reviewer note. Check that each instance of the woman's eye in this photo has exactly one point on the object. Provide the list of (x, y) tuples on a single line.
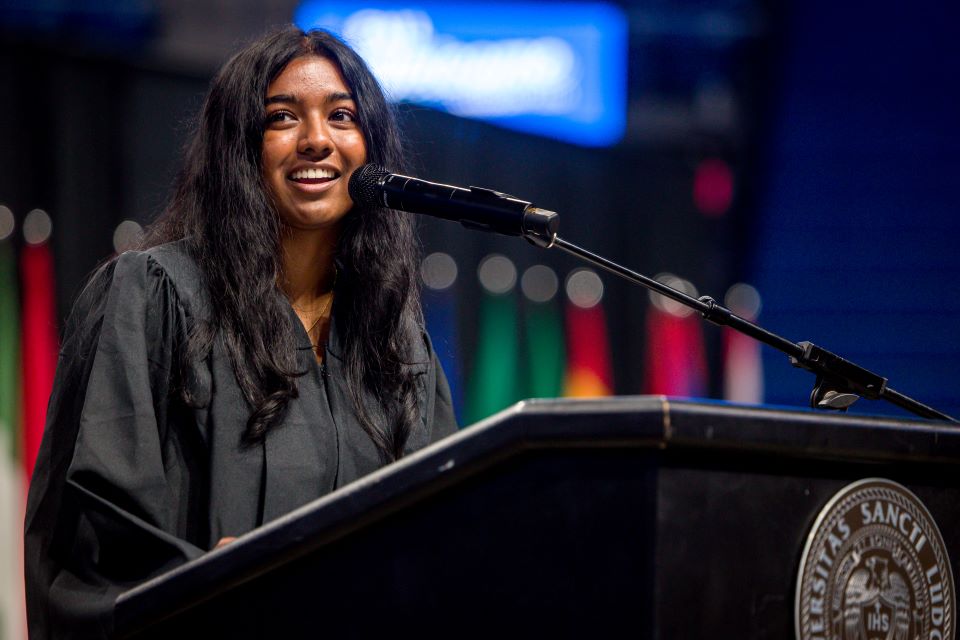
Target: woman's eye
[(279, 116), (343, 115)]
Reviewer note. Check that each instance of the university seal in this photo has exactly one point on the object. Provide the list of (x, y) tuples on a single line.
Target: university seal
[(875, 568)]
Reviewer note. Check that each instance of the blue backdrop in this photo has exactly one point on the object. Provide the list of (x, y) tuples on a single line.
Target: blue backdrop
[(859, 219)]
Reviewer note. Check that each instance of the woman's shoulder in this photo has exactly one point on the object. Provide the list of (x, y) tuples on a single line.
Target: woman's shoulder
[(175, 258), (168, 266), (172, 260), (146, 288)]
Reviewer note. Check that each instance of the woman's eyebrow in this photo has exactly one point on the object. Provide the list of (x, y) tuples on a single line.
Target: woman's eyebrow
[(336, 96), (280, 97), (339, 96)]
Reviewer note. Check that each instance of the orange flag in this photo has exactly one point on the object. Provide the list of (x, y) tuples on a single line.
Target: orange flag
[(589, 369)]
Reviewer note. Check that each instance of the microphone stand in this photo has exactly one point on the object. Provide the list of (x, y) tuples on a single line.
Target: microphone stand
[(839, 382)]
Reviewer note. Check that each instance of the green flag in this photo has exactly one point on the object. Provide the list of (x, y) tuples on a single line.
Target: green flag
[(495, 380), (9, 353), (545, 352), (543, 326)]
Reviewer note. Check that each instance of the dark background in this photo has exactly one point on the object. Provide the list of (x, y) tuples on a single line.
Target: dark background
[(839, 122)]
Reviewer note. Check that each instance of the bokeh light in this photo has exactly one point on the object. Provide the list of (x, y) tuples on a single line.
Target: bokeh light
[(7, 222), (539, 283), (497, 274), (584, 288), (127, 235), (438, 271), (37, 227), (669, 305)]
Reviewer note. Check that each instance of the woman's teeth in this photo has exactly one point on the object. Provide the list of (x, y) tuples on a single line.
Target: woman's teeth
[(312, 174)]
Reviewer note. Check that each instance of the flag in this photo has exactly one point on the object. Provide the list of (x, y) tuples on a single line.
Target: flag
[(495, 381), (544, 350), (742, 368), (742, 365), (440, 315), (589, 370), (438, 272), (676, 361), (39, 345), (12, 477)]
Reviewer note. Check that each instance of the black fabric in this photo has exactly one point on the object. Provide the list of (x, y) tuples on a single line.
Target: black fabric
[(130, 481)]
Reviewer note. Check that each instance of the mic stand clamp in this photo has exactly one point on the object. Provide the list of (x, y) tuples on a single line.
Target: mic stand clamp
[(839, 382)]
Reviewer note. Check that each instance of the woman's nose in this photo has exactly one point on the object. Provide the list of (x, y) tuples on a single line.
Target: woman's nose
[(314, 138)]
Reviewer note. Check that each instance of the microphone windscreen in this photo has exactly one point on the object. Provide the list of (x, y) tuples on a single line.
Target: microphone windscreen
[(364, 185)]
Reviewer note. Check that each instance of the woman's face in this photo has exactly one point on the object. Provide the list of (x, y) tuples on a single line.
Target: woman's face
[(312, 143)]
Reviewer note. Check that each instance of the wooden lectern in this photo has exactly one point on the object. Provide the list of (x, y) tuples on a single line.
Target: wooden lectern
[(639, 516)]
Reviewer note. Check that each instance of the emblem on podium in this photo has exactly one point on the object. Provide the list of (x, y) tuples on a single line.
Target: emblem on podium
[(875, 568)]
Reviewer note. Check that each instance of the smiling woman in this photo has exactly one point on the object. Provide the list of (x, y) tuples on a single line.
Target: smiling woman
[(263, 347), (311, 144)]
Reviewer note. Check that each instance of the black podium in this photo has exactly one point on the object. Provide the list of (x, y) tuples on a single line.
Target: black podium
[(643, 516)]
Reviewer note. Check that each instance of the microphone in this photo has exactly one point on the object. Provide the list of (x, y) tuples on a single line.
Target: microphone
[(473, 207)]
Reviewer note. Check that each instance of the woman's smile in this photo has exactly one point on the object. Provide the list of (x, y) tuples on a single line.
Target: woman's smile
[(314, 180)]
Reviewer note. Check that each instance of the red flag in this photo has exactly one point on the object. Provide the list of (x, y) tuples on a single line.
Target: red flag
[(589, 370), (676, 361), (39, 346)]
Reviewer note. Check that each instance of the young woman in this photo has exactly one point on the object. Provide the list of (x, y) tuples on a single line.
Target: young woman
[(264, 348)]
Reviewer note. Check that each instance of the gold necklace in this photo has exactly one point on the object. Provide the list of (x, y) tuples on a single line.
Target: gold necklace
[(323, 312)]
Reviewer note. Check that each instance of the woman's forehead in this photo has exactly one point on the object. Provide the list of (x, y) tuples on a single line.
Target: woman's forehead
[(308, 74)]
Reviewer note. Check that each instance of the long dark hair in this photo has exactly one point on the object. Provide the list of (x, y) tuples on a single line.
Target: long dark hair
[(222, 207)]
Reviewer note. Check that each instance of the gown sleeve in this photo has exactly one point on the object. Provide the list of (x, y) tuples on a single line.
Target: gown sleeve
[(116, 496)]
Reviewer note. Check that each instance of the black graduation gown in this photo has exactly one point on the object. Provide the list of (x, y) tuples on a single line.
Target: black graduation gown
[(130, 481)]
